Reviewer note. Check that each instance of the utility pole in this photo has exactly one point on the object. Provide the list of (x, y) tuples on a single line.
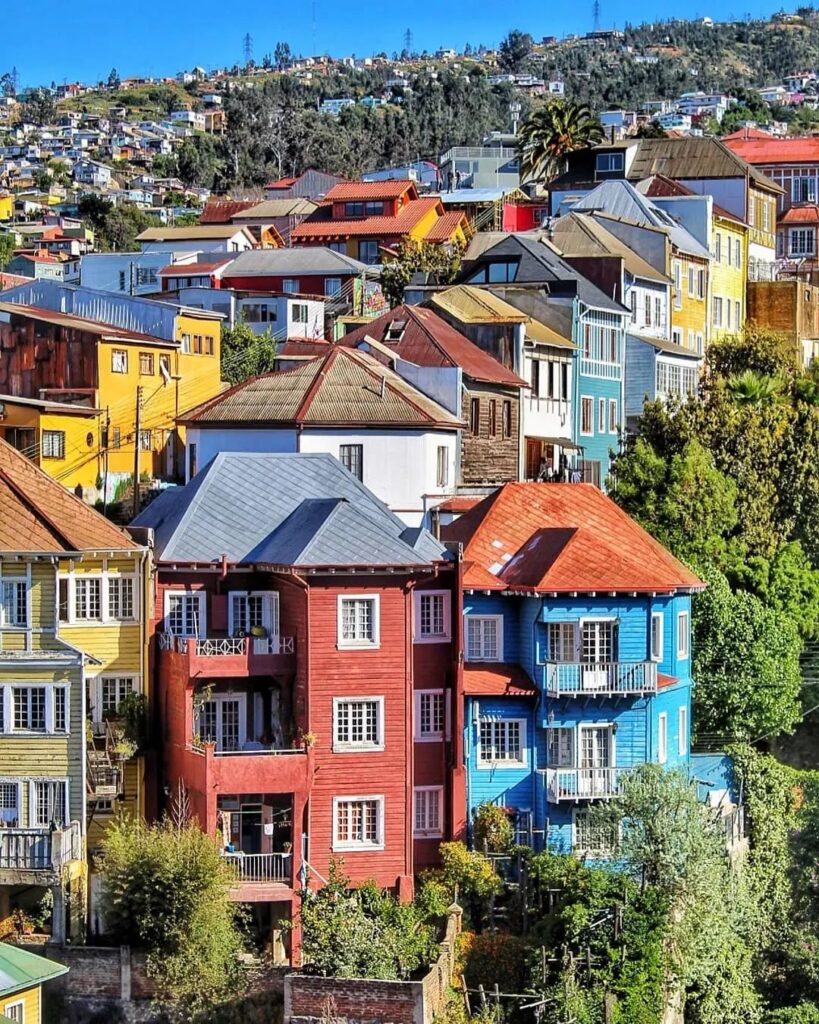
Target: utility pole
[(248, 48), (408, 42), (137, 425), (107, 437), (596, 16)]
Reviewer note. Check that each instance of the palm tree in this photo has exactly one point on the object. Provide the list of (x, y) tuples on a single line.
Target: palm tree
[(750, 388), (550, 133)]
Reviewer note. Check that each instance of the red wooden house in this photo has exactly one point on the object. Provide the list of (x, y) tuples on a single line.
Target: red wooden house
[(307, 677)]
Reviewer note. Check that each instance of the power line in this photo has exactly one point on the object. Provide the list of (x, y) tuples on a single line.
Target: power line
[(248, 47), (596, 16)]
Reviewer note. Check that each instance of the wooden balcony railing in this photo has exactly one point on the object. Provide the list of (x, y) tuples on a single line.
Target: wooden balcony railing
[(39, 849), (611, 678), (583, 783)]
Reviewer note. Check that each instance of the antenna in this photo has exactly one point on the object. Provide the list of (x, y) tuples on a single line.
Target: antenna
[(248, 47), (596, 16), (408, 41)]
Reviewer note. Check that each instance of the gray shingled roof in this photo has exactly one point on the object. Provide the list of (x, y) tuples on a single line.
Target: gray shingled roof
[(312, 259), (299, 510)]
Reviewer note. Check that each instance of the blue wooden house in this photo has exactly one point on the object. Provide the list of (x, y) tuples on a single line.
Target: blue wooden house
[(577, 647)]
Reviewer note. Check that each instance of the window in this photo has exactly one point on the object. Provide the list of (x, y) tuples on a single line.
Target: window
[(662, 737), (682, 635), (358, 622), (29, 708), (766, 215), (146, 364), (60, 709), (493, 417), (699, 342), (700, 284), (165, 367), (717, 311), (358, 822), (737, 314), (484, 638), (648, 310), (432, 615), (728, 314), (332, 286), (351, 456), (607, 163), (678, 275), (718, 248), (48, 802), (502, 271), (676, 336), (290, 286), (598, 641), (803, 189), (192, 460), (632, 301), (88, 598), (368, 252), (502, 741), (15, 1012), (442, 466), (209, 345), (612, 415), (507, 419), (601, 416), (374, 208), (13, 603), (358, 723), (145, 440), (108, 693), (691, 337), (53, 446), (658, 311), (802, 242), (121, 597), (259, 313), (430, 715), (592, 838), (562, 642), (428, 801), (586, 415), (534, 376), (591, 471), (122, 280), (338, 247), (184, 613), (691, 280), (300, 313), (682, 731), (475, 417), (197, 344), (657, 636), (119, 361), (737, 252), (560, 747), (186, 343), (10, 808)]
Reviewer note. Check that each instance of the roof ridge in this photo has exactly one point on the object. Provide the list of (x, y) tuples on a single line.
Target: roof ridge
[(24, 499), (321, 375)]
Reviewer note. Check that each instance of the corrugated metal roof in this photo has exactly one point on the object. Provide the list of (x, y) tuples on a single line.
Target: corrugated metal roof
[(344, 388), (221, 211), (77, 323), (665, 346), (284, 262), (768, 150), (351, 191), (473, 305), (194, 232), (802, 214), (21, 969), (579, 234), (693, 157), (273, 208), (301, 510)]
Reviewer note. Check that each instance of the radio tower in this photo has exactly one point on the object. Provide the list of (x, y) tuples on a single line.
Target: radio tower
[(408, 41), (248, 46), (596, 16)]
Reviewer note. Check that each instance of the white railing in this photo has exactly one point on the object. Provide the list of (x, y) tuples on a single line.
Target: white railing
[(225, 646), (254, 747), (583, 783), (477, 152), (216, 647), (603, 678), (600, 368), (39, 849), (261, 867)]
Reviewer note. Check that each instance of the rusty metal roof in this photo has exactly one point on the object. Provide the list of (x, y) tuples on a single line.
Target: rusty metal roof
[(473, 305), (693, 157)]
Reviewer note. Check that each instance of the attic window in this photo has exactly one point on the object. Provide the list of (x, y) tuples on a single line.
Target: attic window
[(395, 331)]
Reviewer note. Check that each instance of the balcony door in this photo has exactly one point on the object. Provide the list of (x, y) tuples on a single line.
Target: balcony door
[(596, 760), (185, 612), (252, 612), (222, 720), (598, 644)]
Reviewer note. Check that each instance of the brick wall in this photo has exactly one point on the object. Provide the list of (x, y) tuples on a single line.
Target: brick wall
[(308, 999)]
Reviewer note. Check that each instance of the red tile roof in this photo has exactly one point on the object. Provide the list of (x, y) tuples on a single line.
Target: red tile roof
[(282, 183), (428, 340), (748, 133), (497, 680), (807, 213), (358, 227), (459, 503), (219, 211), (771, 150), (562, 538), (350, 191), (445, 227)]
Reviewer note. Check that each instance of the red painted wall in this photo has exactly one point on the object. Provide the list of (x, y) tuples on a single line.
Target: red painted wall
[(522, 216), (308, 285)]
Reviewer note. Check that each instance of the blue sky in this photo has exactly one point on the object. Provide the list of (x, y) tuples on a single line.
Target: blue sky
[(85, 39)]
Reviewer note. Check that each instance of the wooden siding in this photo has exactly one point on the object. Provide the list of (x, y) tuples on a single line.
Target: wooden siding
[(488, 455)]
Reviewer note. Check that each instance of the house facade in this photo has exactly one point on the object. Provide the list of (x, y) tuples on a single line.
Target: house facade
[(577, 665), (307, 662)]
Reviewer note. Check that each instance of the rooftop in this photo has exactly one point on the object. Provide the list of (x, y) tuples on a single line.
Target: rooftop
[(316, 260), (363, 190), (195, 232), (21, 969)]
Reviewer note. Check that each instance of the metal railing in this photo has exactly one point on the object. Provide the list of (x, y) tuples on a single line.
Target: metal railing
[(226, 646), (583, 783), (39, 849), (479, 152), (261, 867), (603, 678)]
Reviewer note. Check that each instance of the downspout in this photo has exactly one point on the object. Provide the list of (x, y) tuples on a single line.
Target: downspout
[(409, 733), (542, 704)]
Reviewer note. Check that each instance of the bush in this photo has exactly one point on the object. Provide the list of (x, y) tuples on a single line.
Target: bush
[(492, 829)]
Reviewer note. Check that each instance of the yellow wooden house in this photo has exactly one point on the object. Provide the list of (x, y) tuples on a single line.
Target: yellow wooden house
[(729, 273), (22, 976), (91, 383), (73, 641)]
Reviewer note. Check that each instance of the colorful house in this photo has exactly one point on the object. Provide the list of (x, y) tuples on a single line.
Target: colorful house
[(22, 976), (577, 650), (307, 665), (72, 647), (370, 219), (126, 367)]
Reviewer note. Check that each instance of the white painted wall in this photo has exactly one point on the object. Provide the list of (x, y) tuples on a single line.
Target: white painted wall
[(543, 414), (641, 290)]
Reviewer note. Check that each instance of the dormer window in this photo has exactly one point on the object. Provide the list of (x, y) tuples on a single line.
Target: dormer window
[(362, 209), (395, 330), (608, 163)]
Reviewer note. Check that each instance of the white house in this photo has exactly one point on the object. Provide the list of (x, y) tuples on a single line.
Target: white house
[(214, 238), (131, 273)]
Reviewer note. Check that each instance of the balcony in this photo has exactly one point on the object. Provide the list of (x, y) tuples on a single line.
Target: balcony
[(601, 679), (234, 656), (261, 868), (575, 784), (254, 768), (35, 856)]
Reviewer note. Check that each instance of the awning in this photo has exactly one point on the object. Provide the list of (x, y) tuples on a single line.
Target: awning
[(561, 442), (497, 680)]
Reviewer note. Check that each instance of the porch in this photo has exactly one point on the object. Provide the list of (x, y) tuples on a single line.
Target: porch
[(35, 856), (220, 655), (602, 679), (256, 831), (575, 784)]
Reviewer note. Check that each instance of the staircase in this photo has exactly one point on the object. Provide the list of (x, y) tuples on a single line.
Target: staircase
[(104, 773)]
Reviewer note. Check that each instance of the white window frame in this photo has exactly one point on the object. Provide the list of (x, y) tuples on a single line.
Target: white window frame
[(17, 782), (241, 726), (570, 733), (345, 746), (654, 654), (15, 581), (662, 738), (601, 416), (361, 645), (682, 649), (19, 1005), (434, 736), (432, 638), (352, 846), (7, 727), (119, 360), (96, 684), (32, 803), (491, 762), (597, 854), (499, 653), (613, 416), (682, 731), (586, 401), (105, 595), (426, 832), (273, 605), (678, 284), (199, 595)]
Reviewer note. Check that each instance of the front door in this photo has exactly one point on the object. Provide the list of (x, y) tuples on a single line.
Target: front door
[(221, 722), (597, 643), (251, 828)]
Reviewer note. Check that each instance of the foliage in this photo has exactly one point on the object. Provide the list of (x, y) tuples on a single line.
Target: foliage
[(7, 247), (494, 958), (549, 133), (363, 932), (413, 258), (133, 711), (466, 877), (514, 49), (39, 108), (113, 79), (492, 829), (246, 354), (115, 227), (166, 890)]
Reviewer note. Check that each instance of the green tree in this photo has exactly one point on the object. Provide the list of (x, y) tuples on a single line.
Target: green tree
[(514, 50), (245, 353), (414, 258), (40, 107), (7, 247), (42, 179), (548, 134), (166, 889), (113, 79)]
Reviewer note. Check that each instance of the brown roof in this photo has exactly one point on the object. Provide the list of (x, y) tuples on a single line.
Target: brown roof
[(350, 191), (428, 340), (693, 157), (346, 387), (38, 514), (497, 679), (79, 323), (220, 211), (445, 227)]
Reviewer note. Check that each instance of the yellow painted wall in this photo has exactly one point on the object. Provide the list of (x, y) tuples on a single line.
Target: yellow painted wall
[(727, 279), (6, 207), (30, 998), (689, 311), (82, 463), (761, 217)]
